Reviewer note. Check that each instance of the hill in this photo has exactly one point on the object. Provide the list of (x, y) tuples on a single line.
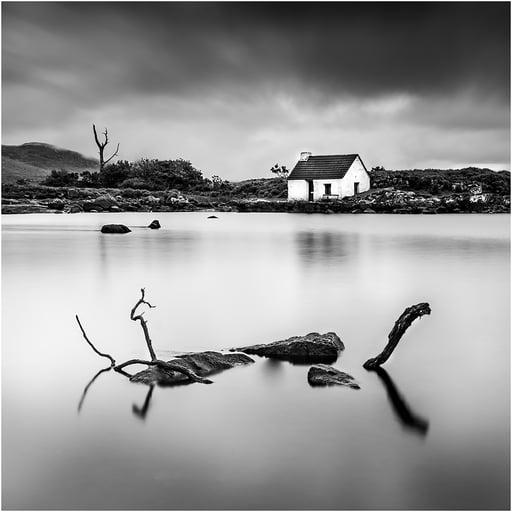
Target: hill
[(35, 160)]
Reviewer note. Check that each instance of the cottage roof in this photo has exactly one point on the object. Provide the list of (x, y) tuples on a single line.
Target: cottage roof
[(323, 167)]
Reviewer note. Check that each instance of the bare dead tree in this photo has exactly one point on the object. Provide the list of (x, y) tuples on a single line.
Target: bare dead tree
[(101, 147), (143, 323), (401, 325)]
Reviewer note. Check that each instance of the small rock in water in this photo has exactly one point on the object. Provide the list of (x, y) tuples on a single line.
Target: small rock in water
[(115, 228), (213, 217), (324, 375), (155, 225)]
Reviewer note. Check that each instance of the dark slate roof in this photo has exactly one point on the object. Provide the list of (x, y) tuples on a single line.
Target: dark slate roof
[(323, 167)]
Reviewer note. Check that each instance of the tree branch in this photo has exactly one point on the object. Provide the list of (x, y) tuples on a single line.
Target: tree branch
[(98, 143), (143, 323), (112, 360), (115, 153), (401, 325)]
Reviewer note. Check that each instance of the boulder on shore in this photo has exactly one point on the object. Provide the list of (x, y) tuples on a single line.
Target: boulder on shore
[(104, 202), (324, 375), (56, 204), (115, 228), (74, 208), (201, 363), (155, 225), (311, 348)]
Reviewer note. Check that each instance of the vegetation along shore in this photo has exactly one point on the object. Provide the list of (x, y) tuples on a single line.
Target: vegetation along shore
[(175, 185)]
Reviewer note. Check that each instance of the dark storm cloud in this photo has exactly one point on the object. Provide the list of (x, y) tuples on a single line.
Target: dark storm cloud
[(406, 84), (335, 48)]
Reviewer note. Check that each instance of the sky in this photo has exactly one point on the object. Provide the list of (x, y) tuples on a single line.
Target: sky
[(238, 87)]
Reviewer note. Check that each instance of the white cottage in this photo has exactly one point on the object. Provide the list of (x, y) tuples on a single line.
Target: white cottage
[(327, 176)]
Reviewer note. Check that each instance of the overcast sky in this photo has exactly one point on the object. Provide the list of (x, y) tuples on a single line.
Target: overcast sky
[(236, 88)]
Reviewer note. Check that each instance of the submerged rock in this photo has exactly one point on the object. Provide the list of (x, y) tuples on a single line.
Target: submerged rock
[(115, 228), (324, 375), (201, 363), (312, 348), (155, 225)]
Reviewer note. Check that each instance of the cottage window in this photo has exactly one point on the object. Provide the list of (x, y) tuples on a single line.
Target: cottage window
[(327, 187)]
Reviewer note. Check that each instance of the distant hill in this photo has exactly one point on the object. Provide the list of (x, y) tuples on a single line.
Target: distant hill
[(35, 160)]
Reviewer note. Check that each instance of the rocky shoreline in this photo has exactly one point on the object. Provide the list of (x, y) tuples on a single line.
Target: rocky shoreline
[(40, 199)]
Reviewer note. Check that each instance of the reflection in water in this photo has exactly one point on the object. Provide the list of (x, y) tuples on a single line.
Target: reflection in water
[(273, 368), (326, 246), (86, 389), (402, 410), (142, 411)]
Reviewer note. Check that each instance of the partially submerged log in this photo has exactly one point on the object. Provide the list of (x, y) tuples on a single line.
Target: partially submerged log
[(324, 375), (401, 325), (311, 348)]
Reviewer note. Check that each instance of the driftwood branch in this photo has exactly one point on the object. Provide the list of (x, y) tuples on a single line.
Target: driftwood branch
[(172, 366), (143, 323), (112, 360), (401, 325)]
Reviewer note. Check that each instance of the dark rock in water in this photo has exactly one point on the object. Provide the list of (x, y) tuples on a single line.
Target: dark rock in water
[(201, 363), (115, 228), (213, 217), (312, 348), (155, 225), (323, 375)]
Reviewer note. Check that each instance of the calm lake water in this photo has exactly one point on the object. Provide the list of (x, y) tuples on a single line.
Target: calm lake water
[(432, 431)]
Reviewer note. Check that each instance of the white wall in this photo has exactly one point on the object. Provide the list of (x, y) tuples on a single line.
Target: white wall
[(297, 190), (355, 174), (319, 189)]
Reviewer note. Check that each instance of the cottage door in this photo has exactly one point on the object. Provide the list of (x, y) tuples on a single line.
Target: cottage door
[(310, 190), (356, 188)]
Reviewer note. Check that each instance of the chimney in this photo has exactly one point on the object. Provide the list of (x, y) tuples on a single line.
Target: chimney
[(304, 156)]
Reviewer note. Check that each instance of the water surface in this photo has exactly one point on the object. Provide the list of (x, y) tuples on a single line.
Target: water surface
[(431, 431)]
